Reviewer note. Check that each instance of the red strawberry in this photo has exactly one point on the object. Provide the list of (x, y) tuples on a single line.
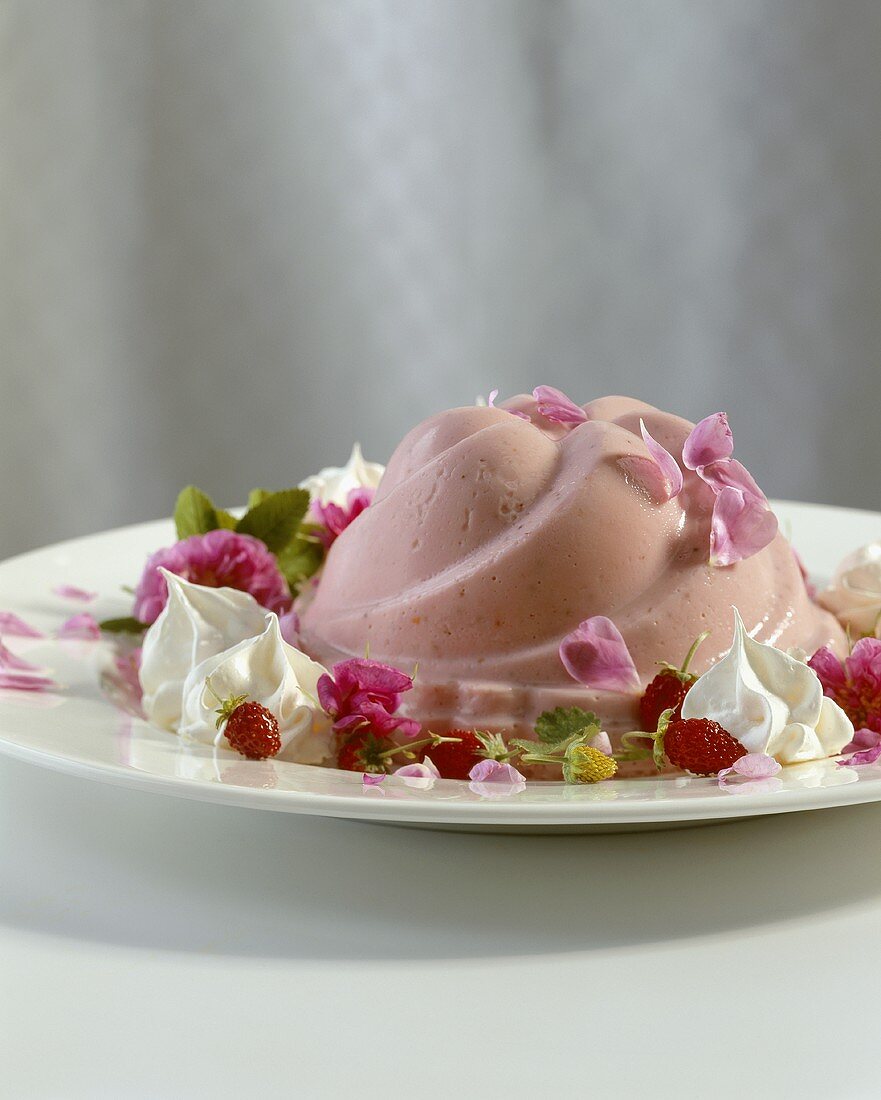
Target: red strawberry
[(361, 753), (455, 759), (700, 746), (667, 691), (252, 730)]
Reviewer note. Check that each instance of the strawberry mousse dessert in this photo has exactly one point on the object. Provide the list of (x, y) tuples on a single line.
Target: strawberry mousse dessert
[(533, 590)]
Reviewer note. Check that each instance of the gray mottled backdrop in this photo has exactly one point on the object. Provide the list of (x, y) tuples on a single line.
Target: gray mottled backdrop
[(235, 236)]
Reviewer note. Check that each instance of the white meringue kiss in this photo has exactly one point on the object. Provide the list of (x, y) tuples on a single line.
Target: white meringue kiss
[(196, 623), (769, 701), (333, 484), (275, 674), (854, 596)]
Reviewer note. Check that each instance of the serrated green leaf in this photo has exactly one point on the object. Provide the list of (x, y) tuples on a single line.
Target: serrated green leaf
[(300, 560), (276, 519), (561, 723), (194, 513), (257, 496), (126, 625)]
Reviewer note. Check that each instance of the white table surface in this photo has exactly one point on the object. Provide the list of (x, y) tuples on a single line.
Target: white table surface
[(153, 947)]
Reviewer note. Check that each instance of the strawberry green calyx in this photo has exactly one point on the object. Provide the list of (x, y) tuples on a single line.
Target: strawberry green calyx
[(227, 706), (493, 746), (658, 751), (375, 755)]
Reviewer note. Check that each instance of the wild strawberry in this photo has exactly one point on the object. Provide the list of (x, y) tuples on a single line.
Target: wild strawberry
[(252, 730), (668, 690), (455, 758), (360, 753), (699, 745)]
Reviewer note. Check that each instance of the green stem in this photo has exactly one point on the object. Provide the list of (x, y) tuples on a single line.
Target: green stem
[(689, 657)]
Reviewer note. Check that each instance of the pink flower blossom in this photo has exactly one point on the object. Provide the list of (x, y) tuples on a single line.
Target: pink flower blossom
[(709, 441), (15, 627), (82, 626), (17, 674), (596, 655), (554, 405), (333, 519), (493, 779), (71, 592), (364, 694), (854, 684), (741, 526), (218, 559)]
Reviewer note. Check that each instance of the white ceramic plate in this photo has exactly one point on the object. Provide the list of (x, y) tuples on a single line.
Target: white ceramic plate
[(78, 730)]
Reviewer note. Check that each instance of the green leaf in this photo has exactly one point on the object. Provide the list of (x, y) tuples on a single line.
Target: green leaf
[(226, 520), (276, 519), (561, 723), (257, 496), (300, 560), (194, 513), (127, 625)]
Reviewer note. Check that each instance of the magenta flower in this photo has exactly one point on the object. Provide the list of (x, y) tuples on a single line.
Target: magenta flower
[(597, 656), (82, 626), (364, 694), (854, 684), (554, 405), (17, 674), (493, 779), (218, 559), (334, 518)]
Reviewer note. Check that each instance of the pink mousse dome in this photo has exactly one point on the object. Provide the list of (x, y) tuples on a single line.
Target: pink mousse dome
[(492, 537)]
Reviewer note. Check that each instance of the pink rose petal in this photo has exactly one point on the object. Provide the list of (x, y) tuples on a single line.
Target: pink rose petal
[(372, 779), (709, 441), (666, 463), (596, 655), (728, 472), (17, 674), (556, 406), (421, 776), (601, 742), (867, 756), (83, 626), (493, 779), (15, 627), (863, 739), (741, 526), (71, 592), (755, 765)]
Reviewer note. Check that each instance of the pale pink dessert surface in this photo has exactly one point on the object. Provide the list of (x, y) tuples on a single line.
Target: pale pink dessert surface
[(490, 538)]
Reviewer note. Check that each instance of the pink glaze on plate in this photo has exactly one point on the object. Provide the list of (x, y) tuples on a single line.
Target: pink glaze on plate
[(492, 537)]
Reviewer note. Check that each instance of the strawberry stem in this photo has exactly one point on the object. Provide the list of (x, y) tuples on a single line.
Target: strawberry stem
[(434, 739), (695, 645)]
